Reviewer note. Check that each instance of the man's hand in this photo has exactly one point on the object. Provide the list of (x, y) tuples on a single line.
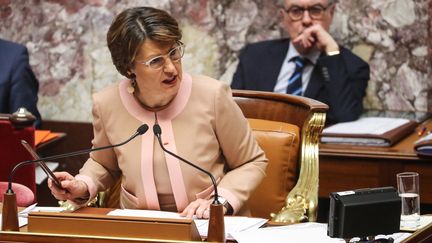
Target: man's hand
[(315, 37)]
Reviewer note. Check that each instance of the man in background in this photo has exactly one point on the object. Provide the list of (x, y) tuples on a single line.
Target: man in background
[(310, 63), (18, 84)]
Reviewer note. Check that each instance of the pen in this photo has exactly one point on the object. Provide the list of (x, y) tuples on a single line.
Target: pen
[(421, 131)]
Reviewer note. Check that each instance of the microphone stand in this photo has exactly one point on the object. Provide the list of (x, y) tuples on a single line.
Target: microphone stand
[(216, 225), (9, 212), (20, 118), (10, 209)]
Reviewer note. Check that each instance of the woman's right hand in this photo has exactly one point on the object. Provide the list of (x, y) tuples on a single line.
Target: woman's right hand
[(72, 188)]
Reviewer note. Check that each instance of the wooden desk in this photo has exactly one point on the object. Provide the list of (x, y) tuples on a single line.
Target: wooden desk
[(24, 236), (423, 235), (11, 236), (345, 167)]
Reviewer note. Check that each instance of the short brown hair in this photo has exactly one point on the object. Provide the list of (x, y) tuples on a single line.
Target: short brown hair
[(132, 27)]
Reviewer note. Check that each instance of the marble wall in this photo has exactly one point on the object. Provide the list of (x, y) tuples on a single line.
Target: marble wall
[(66, 41)]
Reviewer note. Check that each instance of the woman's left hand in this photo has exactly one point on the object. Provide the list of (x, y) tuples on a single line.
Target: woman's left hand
[(200, 208)]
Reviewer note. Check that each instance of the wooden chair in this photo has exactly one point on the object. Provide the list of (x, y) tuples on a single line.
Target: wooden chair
[(287, 128)]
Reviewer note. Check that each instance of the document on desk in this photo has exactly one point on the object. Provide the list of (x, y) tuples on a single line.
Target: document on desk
[(299, 233), (296, 233), (145, 213), (423, 146), (369, 131), (21, 221), (23, 215), (233, 224)]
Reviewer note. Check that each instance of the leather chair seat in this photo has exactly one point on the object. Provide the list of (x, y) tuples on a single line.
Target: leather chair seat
[(25, 197), (280, 141)]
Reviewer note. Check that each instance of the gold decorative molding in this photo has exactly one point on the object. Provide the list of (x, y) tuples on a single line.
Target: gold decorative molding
[(302, 201)]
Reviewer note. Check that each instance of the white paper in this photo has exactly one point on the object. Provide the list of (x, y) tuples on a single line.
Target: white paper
[(33, 208), (424, 220), (27, 210), (298, 233), (22, 216), (49, 209), (145, 213), (366, 125), (427, 137), (356, 141), (301, 233), (21, 221), (232, 225)]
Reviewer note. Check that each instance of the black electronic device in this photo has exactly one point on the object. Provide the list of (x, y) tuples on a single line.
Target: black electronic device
[(42, 164), (364, 212)]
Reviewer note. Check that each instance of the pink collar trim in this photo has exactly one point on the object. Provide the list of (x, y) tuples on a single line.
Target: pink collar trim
[(176, 106), (164, 117)]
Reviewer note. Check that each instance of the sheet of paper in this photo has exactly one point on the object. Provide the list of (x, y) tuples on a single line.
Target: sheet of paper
[(27, 210), (367, 125), (40, 135), (21, 221), (145, 213), (23, 214), (424, 220), (427, 137), (33, 208), (49, 209), (50, 136), (356, 141), (232, 225), (300, 233)]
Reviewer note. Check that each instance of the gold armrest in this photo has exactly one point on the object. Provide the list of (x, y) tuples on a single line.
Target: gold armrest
[(302, 201)]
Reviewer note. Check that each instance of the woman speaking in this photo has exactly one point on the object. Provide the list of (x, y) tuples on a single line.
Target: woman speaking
[(199, 119)]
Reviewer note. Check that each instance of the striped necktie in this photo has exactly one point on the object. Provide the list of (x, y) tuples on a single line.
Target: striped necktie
[(295, 81)]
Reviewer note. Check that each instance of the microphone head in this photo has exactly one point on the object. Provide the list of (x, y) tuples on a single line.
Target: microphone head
[(157, 130), (142, 129)]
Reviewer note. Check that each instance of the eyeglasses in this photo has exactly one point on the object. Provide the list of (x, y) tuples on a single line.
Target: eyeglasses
[(316, 12), (158, 62)]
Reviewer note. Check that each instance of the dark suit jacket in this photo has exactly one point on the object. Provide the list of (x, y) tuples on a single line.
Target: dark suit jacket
[(18, 85), (340, 81)]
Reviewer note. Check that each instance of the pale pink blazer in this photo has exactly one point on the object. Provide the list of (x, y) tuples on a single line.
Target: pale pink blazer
[(203, 124)]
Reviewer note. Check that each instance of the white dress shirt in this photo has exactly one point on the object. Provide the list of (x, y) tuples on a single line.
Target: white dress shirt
[(288, 68)]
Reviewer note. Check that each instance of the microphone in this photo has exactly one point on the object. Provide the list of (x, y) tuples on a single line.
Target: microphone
[(140, 131), (216, 229), (9, 202)]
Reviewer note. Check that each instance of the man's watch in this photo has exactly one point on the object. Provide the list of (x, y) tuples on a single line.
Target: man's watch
[(227, 205)]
